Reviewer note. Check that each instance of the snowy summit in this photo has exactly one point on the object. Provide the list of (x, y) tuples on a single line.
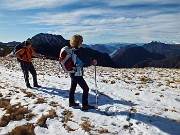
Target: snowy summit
[(143, 101)]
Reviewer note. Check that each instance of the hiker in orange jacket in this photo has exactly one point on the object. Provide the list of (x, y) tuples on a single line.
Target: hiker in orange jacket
[(24, 55)]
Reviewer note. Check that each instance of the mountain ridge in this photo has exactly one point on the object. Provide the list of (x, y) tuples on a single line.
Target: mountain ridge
[(50, 45)]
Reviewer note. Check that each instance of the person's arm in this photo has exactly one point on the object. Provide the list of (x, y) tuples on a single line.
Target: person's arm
[(94, 62), (18, 56), (37, 54), (19, 53)]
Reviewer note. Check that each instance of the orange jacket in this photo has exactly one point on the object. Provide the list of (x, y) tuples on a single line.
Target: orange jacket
[(26, 53)]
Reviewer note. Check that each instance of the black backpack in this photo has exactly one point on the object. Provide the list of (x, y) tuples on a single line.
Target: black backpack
[(17, 48)]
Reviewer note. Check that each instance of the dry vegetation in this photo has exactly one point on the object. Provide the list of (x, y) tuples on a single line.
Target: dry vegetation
[(54, 104), (40, 101), (18, 112), (42, 121), (128, 127), (13, 112), (67, 115), (23, 130), (85, 125), (28, 94)]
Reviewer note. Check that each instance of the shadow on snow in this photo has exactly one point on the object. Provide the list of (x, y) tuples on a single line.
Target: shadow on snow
[(164, 124)]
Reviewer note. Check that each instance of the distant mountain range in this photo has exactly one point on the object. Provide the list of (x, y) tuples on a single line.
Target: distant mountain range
[(147, 55), (108, 48), (173, 62), (13, 43), (132, 55), (6, 48), (168, 50), (120, 55)]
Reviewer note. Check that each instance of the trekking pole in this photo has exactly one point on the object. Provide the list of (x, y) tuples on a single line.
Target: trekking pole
[(44, 67), (95, 85)]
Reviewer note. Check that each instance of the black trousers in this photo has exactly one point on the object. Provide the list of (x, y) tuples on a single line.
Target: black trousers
[(82, 83), (26, 68)]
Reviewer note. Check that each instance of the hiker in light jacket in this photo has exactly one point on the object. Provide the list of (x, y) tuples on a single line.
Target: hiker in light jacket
[(24, 55), (77, 76)]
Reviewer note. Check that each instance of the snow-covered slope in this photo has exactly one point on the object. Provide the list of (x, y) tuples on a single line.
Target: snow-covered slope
[(131, 101)]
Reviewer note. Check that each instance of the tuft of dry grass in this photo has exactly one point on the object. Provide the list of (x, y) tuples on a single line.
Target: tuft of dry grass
[(105, 81), (52, 113), (117, 78), (165, 109), (13, 112), (4, 103), (133, 110), (128, 127), (42, 121), (54, 104), (29, 116), (103, 131), (4, 121), (168, 83), (16, 87), (67, 115), (128, 78), (28, 94), (23, 130), (40, 101), (137, 93), (128, 101), (145, 79), (17, 112), (68, 128), (113, 82), (85, 125)]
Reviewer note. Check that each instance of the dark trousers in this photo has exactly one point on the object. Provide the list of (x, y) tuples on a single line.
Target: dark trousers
[(82, 83), (26, 68)]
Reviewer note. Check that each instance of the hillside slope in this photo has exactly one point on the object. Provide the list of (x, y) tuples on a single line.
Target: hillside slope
[(131, 101)]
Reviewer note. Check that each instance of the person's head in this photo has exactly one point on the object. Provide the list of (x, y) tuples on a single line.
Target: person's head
[(76, 41), (27, 43)]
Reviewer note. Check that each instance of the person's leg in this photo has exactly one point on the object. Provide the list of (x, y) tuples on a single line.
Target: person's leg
[(82, 83), (72, 91), (24, 68), (33, 72)]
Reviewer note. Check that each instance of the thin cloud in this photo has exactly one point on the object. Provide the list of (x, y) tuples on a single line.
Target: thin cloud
[(121, 20), (32, 4), (145, 25), (66, 18), (135, 2), (145, 29)]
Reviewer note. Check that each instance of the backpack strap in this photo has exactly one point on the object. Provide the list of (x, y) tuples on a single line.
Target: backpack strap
[(25, 52), (21, 55), (30, 51)]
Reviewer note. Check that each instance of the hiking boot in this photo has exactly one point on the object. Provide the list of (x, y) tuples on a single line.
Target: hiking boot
[(87, 107), (29, 86), (38, 86), (73, 104)]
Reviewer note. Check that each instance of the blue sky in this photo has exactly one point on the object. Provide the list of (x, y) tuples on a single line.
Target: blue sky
[(102, 21)]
